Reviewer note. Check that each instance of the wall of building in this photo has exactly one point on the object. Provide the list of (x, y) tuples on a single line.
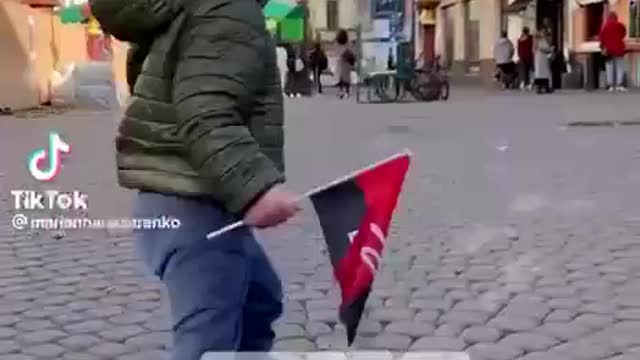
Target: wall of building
[(475, 28), (17, 71), (34, 44)]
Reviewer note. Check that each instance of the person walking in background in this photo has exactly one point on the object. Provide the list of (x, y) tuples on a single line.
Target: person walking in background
[(503, 55), (542, 65), (319, 64), (612, 46), (282, 54), (346, 63), (525, 57)]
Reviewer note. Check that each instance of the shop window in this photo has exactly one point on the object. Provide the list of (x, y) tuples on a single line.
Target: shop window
[(594, 16), (634, 19), (333, 20)]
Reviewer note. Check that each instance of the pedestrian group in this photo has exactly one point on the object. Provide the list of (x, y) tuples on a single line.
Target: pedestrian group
[(540, 65)]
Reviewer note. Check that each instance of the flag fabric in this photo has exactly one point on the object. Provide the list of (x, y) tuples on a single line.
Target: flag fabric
[(354, 215)]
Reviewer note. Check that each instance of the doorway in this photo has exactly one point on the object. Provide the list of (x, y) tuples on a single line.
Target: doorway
[(550, 13)]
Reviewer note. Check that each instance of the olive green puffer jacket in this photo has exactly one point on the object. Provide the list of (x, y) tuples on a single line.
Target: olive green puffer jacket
[(205, 117)]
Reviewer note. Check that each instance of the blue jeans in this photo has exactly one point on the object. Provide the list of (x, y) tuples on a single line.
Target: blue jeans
[(615, 71), (224, 293)]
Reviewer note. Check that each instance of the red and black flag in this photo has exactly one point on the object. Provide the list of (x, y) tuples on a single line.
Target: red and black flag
[(355, 214)]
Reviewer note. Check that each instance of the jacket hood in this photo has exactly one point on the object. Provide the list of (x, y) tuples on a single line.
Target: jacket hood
[(612, 18), (134, 20)]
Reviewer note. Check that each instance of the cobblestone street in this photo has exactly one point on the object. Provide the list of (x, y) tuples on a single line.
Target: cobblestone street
[(517, 237)]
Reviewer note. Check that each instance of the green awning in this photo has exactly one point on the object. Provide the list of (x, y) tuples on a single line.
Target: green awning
[(281, 9), (73, 14)]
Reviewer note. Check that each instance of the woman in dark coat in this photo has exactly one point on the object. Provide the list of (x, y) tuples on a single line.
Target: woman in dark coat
[(319, 63), (297, 80)]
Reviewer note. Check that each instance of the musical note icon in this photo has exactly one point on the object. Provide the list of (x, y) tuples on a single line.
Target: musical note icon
[(56, 147)]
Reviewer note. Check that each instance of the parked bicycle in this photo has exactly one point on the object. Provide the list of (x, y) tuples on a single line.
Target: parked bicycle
[(429, 83)]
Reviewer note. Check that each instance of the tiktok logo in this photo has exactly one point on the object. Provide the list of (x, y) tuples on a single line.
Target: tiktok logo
[(56, 147)]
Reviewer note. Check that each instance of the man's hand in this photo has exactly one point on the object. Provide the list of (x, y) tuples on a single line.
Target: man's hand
[(273, 208)]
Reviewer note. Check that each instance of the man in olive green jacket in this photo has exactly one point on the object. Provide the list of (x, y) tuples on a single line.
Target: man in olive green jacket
[(202, 142)]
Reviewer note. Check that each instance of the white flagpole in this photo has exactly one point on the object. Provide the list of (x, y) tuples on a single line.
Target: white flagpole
[(316, 190)]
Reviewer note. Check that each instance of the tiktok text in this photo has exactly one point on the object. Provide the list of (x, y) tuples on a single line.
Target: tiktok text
[(49, 200)]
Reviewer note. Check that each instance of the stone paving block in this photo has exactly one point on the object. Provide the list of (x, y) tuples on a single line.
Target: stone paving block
[(466, 318), (410, 328), (326, 316), (305, 295), (530, 342), (430, 316), (79, 342), (68, 317), (529, 309), (494, 352), (14, 307), (8, 346), (438, 343), (321, 304), (150, 340), (285, 331), (89, 326), (121, 333), (146, 355), (105, 311), (16, 357), (628, 314), (564, 303), (490, 307), (397, 302), (294, 345), (8, 320), (41, 336), (32, 325), (315, 329), (481, 334), (593, 321), (562, 331), (43, 350), (449, 330), (369, 327), (299, 317), (561, 315), (109, 349), (334, 341), (129, 318), (7, 332), (603, 308), (586, 350), (388, 342), (391, 314), (514, 323), (431, 304)]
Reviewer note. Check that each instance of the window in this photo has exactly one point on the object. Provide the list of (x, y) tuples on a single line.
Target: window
[(594, 15), (634, 19), (333, 20)]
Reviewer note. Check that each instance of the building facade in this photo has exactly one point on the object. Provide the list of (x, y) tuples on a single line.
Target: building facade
[(466, 31), (35, 46)]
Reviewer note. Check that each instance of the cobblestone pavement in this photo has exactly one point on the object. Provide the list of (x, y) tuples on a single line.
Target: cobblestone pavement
[(516, 237)]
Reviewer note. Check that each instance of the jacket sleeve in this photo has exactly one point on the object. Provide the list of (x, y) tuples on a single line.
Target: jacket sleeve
[(219, 69)]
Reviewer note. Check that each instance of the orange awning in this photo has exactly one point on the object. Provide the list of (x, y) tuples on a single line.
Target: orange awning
[(51, 3)]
